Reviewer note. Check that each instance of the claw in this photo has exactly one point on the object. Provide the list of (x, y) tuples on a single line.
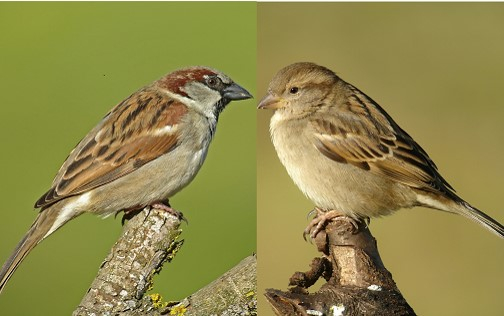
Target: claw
[(158, 205), (322, 218), (169, 209), (312, 212), (316, 212)]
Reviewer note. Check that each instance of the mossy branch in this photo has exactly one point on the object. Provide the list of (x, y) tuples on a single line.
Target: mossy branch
[(149, 240)]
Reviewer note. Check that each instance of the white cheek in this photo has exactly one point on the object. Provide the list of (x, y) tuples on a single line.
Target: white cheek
[(213, 98), (69, 211), (204, 98)]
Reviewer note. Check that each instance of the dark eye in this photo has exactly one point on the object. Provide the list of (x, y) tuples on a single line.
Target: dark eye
[(212, 81), (294, 90)]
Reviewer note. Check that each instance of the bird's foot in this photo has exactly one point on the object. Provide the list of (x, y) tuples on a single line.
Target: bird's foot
[(129, 213), (321, 220), (167, 208)]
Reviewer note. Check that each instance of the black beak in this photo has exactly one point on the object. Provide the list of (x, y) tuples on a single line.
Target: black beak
[(235, 92)]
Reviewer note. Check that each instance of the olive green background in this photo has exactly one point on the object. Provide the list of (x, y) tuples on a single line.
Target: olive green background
[(63, 66), (438, 69)]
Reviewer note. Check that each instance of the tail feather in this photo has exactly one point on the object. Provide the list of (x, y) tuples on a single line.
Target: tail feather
[(36, 234), (481, 218), (454, 204)]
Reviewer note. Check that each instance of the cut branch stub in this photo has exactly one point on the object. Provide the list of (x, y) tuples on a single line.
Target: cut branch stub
[(357, 281)]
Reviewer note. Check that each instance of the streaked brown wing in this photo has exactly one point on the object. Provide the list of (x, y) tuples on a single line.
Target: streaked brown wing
[(136, 131), (364, 135)]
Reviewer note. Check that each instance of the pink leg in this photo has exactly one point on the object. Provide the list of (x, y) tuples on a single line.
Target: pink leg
[(321, 220)]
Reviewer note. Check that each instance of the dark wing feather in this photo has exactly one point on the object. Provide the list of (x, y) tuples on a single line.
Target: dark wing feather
[(129, 136), (364, 135)]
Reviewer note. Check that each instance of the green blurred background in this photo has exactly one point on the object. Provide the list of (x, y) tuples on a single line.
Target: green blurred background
[(62, 67), (438, 69)]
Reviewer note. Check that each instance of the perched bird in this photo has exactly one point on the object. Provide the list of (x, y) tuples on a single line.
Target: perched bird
[(146, 149), (348, 155)]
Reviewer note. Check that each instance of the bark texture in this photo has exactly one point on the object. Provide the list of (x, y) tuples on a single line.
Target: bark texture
[(150, 239), (234, 293), (357, 282)]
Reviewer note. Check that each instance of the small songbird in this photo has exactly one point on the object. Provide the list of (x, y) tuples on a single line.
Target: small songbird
[(146, 149), (348, 155)]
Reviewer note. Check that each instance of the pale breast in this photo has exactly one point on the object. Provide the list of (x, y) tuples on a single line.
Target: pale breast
[(329, 184)]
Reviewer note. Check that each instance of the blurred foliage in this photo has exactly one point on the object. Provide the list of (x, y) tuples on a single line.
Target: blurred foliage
[(438, 70), (62, 67)]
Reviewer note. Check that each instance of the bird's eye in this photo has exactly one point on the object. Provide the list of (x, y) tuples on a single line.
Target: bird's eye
[(212, 81), (294, 90)]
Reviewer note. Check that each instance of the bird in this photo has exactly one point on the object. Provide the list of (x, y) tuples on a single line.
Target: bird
[(146, 149), (348, 155)]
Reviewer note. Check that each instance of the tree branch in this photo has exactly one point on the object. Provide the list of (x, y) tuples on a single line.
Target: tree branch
[(234, 293), (357, 282), (149, 239)]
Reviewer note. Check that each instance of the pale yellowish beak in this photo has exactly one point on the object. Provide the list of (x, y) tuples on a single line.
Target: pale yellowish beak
[(271, 102)]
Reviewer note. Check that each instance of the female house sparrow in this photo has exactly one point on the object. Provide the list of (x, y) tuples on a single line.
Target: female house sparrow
[(349, 156), (146, 149)]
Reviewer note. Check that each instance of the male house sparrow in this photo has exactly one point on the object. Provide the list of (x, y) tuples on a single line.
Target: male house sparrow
[(348, 155), (146, 149)]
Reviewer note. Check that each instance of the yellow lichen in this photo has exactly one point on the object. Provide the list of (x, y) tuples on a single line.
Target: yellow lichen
[(178, 310), (157, 300), (250, 294)]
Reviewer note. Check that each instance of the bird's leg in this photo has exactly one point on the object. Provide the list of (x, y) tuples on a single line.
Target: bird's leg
[(128, 214), (322, 218)]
